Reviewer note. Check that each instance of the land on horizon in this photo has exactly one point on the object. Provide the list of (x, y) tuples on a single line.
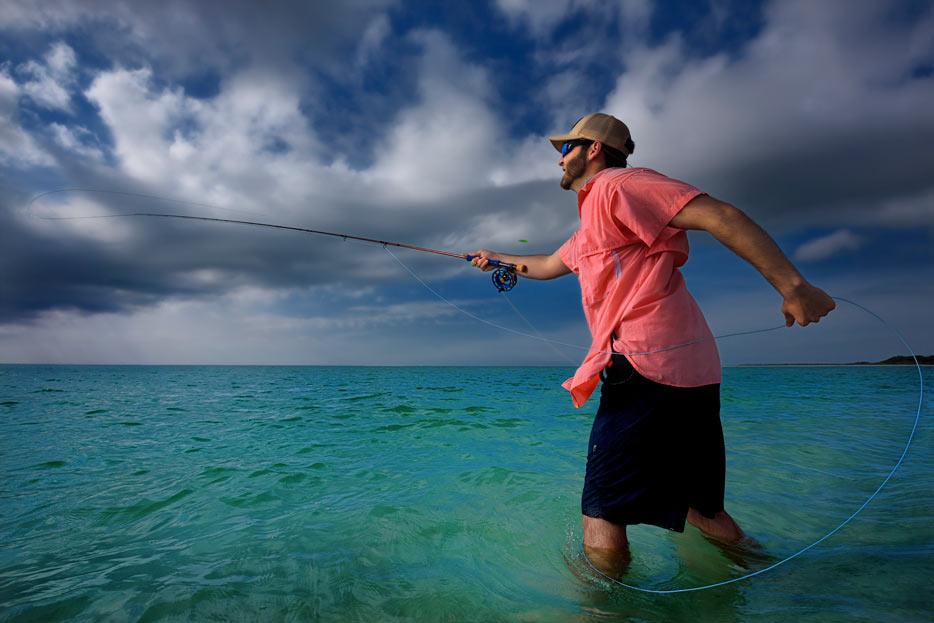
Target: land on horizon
[(898, 360)]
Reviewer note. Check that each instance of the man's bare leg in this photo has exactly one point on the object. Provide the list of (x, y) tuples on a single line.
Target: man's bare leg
[(742, 549), (721, 528), (606, 545)]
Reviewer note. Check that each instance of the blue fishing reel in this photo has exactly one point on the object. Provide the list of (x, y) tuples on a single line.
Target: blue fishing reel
[(504, 279)]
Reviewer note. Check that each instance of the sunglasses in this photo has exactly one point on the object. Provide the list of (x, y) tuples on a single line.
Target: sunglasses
[(572, 144)]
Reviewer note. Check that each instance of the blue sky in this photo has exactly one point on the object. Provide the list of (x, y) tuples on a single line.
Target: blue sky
[(425, 123)]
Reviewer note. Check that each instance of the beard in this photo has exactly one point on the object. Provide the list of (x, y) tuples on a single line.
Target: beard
[(573, 169)]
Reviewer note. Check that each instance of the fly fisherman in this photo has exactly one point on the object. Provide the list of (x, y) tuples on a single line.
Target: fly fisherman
[(656, 453)]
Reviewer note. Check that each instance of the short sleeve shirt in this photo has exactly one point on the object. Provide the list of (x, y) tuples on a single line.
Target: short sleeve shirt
[(627, 260)]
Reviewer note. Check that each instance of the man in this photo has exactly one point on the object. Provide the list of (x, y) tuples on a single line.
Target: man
[(656, 452)]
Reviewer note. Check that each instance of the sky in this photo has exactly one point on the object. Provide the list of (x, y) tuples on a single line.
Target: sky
[(426, 123)]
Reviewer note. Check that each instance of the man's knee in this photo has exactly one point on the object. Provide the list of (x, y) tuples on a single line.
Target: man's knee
[(603, 534), (606, 546)]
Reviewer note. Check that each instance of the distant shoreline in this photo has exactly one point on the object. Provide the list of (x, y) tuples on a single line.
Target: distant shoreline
[(900, 360)]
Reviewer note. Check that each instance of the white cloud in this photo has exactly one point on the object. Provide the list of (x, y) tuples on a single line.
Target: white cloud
[(189, 37), (76, 139), (138, 119), (50, 81), (17, 146), (372, 39), (821, 102), (812, 111), (828, 246), (251, 140), (541, 17), (60, 60), (912, 210), (200, 331), (451, 139), (79, 218)]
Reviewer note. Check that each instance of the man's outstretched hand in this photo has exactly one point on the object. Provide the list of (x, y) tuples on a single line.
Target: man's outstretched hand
[(806, 304)]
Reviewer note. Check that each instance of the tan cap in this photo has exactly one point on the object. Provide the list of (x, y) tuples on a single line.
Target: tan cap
[(597, 127)]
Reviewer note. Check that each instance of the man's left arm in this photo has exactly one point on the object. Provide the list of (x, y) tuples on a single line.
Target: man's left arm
[(803, 302)]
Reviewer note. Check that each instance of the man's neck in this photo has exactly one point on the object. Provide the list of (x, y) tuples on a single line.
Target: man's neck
[(588, 174)]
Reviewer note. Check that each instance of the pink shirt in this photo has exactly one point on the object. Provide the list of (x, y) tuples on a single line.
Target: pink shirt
[(626, 258)]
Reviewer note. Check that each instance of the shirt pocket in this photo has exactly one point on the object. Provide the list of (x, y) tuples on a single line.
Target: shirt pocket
[(597, 272)]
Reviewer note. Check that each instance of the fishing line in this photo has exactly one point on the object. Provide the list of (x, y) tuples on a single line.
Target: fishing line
[(874, 494), (560, 343), (846, 521), (774, 460), (504, 278), (560, 353), (551, 343)]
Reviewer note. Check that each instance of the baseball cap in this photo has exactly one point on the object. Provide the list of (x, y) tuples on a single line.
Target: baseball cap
[(597, 127)]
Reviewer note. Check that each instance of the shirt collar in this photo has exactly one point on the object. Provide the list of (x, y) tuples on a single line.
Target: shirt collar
[(588, 186)]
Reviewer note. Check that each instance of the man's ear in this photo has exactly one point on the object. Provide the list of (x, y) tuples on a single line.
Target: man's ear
[(595, 149)]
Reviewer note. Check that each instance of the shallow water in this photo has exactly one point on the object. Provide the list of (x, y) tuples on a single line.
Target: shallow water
[(134, 493)]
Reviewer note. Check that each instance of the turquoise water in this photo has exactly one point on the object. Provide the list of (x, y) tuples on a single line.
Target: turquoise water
[(436, 494)]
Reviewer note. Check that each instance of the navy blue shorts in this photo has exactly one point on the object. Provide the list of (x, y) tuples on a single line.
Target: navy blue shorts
[(655, 451)]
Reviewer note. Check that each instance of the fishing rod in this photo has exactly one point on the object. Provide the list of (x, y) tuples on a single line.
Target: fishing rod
[(504, 277)]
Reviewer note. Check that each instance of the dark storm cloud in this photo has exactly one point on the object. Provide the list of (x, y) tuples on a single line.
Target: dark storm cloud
[(370, 120), (122, 263), (188, 38)]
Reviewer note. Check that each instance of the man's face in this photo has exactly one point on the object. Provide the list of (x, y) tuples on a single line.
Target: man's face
[(573, 164)]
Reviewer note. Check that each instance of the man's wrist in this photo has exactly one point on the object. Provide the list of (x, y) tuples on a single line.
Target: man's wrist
[(794, 287)]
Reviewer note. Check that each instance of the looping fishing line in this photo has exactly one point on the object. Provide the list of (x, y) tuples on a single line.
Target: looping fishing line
[(874, 494), (575, 346)]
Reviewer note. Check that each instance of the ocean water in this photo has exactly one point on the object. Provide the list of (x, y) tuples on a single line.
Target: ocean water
[(133, 493)]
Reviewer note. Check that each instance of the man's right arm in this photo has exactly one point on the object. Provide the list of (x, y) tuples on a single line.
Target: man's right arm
[(538, 266), (803, 302)]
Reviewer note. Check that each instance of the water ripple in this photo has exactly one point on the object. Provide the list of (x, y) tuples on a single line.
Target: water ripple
[(273, 494)]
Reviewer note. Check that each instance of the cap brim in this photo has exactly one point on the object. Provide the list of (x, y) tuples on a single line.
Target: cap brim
[(559, 141)]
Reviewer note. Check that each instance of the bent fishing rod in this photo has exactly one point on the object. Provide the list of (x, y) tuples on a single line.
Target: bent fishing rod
[(504, 277)]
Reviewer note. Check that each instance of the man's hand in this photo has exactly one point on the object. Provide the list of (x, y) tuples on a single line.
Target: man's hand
[(482, 259), (806, 304)]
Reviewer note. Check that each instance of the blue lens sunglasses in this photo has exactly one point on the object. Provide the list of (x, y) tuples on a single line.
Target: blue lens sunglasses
[(572, 144)]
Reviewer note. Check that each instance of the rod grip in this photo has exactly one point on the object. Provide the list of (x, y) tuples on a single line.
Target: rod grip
[(518, 267)]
